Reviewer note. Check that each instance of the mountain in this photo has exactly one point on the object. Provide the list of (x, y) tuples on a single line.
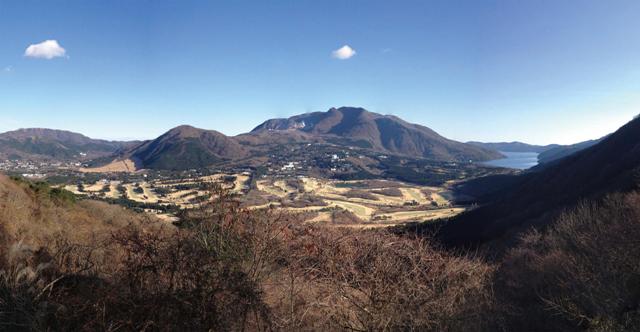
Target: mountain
[(562, 151), (40, 143), (186, 147), (534, 199), (383, 133), (514, 146)]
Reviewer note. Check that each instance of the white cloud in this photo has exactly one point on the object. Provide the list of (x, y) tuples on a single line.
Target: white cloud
[(8, 69), (343, 53), (48, 49)]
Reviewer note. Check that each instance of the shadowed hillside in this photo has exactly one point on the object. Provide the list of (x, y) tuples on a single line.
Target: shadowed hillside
[(562, 151), (535, 197)]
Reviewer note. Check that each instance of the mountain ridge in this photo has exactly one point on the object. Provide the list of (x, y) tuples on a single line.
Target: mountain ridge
[(44, 143), (532, 199), (562, 151), (185, 147), (514, 146), (385, 133)]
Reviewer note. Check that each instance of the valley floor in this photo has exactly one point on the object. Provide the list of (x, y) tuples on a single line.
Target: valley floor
[(362, 203)]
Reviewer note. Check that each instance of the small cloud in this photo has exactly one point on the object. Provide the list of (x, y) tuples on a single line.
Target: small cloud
[(343, 53), (48, 49), (8, 69), (386, 50)]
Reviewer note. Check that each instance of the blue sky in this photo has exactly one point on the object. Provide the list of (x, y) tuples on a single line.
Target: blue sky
[(535, 71)]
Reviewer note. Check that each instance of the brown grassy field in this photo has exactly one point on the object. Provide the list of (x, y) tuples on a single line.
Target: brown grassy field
[(116, 166), (373, 202), (368, 202)]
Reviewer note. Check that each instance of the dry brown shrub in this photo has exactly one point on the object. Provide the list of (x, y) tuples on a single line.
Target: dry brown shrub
[(228, 268), (344, 217), (392, 192), (355, 193), (35, 219), (375, 281), (582, 274)]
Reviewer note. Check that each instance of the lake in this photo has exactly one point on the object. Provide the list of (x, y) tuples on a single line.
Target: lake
[(517, 160)]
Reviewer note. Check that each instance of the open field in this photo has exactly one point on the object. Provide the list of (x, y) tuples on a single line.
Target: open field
[(370, 203), (422, 215), (115, 166), (361, 211), (146, 196), (104, 189), (272, 189), (364, 199)]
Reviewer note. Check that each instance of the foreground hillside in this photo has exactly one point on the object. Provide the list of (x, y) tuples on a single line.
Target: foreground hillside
[(226, 269), (37, 214), (85, 266)]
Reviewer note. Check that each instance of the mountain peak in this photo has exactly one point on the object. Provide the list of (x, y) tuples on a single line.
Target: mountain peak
[(346, 109), (186, 147), (188, 131), (379, 132), (184, 130)]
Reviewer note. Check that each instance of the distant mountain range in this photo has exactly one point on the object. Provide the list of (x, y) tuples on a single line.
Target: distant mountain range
[(188, 147), (515, 146), (384, 133), (547, 153), (562, 151), (40, 143), (535, 198)]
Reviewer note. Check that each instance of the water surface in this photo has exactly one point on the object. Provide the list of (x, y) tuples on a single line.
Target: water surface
[(517, 160)]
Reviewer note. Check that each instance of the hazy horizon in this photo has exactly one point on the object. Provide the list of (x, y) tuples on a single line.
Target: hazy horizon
[(536, 72)]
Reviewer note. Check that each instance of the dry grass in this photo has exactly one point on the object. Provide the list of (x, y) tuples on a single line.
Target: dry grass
[(86, 266), (581, 274), (226, 268), (116, 166), (424, 215), (34, 218)]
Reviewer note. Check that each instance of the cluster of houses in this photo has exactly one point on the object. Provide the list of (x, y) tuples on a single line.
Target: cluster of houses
[(302, 160), (33, 169)]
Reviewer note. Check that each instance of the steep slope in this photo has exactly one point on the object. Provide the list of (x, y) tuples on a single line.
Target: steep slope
[(186, 147), (35, 213), (383, 133), (534, 198), (40, 143), (562, 151), (515, 146)]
